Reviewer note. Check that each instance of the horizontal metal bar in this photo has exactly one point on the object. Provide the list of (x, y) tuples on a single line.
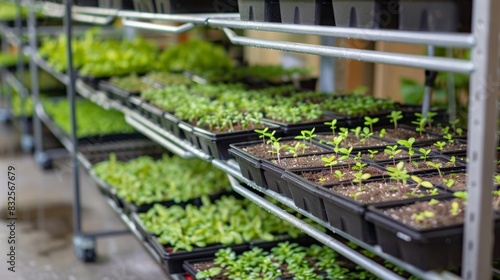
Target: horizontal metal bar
[(193, 18), (65, 141), (336, 245), (107, 233), (94, 11), (153, 135), (100, 20), (410, 37), (52, 9), (430, 63), (14, 82), (11, 36), (63, 78), (158, 27)]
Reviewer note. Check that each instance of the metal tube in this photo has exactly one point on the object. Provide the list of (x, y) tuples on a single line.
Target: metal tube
[(327, 71), (158, 27), (439, 64), (452, 100), (410, 37), (426, 103), (193, 18), (483, 113)]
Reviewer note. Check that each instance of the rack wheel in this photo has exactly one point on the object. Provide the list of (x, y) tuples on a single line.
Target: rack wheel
[(43, 160), (27, 143), (85, 248)]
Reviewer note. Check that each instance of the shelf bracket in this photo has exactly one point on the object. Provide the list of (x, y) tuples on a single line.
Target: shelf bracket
[(158, 27)]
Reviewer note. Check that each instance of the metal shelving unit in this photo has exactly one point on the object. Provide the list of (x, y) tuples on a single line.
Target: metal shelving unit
[(484, 89)]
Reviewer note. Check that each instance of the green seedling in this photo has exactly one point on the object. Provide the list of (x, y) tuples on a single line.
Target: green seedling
[(449, 137), (209, 273), (277, 148), (372, 153), (440, 145), (263, 133), (392, 152), (359, 177), (420, 123), (336, 142), (330, 162), (433, 201), (394, 117), (420, 183), (425, 153), (346, 154), (408, 144), (358, 157), (437, 166), (419, 217), (332, 125), (344, 132), (295, 150), (382, 133), (339, 174), (366, 134), (398, 173), (370, 122), (448, 182), (455, 208), (462, 195), (454, 125), (430, 118), (452, 161), (359, 166), (497, 179), (307, 135), (322, 180), (356, 131)]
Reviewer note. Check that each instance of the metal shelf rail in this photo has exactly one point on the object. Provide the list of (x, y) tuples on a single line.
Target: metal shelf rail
[(482, 107)]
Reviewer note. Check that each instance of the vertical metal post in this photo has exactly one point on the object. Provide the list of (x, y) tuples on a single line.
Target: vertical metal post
[(483, 112), (426, 103), (452, 99), (20, 67), (327, 71), (72, 99), (32, 35)]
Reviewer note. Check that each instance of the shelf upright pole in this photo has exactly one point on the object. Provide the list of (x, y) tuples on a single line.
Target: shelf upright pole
[(430, 77), (71, 98), (452, 99), (327, 71), (32, 35), (20, 68), (483, 113)]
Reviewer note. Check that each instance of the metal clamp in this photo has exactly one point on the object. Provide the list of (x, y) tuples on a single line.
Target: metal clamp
[(158, 27), (432, 63)]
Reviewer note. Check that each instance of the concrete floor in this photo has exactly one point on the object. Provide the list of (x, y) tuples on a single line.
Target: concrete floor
[(44, 229)]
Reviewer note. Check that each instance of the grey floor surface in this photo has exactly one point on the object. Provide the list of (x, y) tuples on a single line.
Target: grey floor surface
[(44, 229)]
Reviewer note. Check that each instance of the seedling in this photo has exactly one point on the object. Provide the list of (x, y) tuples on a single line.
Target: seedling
[(346, 154), (356, 131), (440, 145), (452, 161), (339, 174), (344, 132), (295, 150), (496, 198), (359, 177), (394, 117), (359, 166), (454, 125), (430, 118), (330, 162), (420, 183), (448, 182), (425, 153), (419, 217), (382, 133), (392, 152), (372, 153), (371, 121), (307, 135), (336, 142), (437, 166), (332, 125), (277, 148), (449, 137), (455, 208), (420, 122), (366, 134), (398, 173), (209, 273), (263, 134), (408, 144), (433, 201), (497, 179)]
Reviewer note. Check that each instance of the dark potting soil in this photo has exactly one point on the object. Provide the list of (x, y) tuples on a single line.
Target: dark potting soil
[(353, 141), (265, 151), (308, 161), (202, 266), (325, 176), (443, 215), (459, 178), (419, 165), (373, 192), (403, 133)]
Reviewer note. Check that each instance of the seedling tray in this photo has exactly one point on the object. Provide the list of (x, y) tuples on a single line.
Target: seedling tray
[(250, 166), (311, 12), (152, 112), (258, 10), (90, 3), (383, 14), (428, 249), (294, 129), (438, 16), (117, 4), (146, 6), (134, 217), (134, 103), (93, 82), (195, 6), (116, 93)]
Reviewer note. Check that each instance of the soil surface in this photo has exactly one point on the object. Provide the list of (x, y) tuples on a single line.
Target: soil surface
[(264, 151), (381, 156), (325, 176), (373, 192), (403, 133), (442, 216), (353, 141), (458, 147), (459, 178), (308, 161), (419, 165)]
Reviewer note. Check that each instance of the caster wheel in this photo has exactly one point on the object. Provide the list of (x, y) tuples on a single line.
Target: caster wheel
[(43, 160), (85, 249), (27, 143)]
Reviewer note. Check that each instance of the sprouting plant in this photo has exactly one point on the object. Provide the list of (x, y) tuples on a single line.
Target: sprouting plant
[(497, 179), (359, 166), (330, 162), (419, 217), (433, 201), (430, 118), (339, 174), (224, 257), (392, 151), (366, 134), (372, 153), (440, 145), (209, 273), (322, 180), (425, 153), (356, 131), (420, 122), (436, 165), (454, 124), (332, 125), (461, 194), (398, 173), (263, 133), (420, 183), (394, 117), (359, 177), (448, 182), (277, 147), (382, 133), (370, 122), (358, 157), (336, 142), (344, 132), (455, 208), (449, 137), (307, 135), (346, 154), (452, 161), (295, 150), (408, 144)]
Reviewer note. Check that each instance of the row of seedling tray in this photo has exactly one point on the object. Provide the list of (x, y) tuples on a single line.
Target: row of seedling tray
[(218, 229), (402, 188)]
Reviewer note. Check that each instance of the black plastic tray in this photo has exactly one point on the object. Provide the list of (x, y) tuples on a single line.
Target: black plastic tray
[(146, 6), (250, 166), (383, 14), (258, 10), (89, 3), (116, 93), (195, 6), (311, 12)]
